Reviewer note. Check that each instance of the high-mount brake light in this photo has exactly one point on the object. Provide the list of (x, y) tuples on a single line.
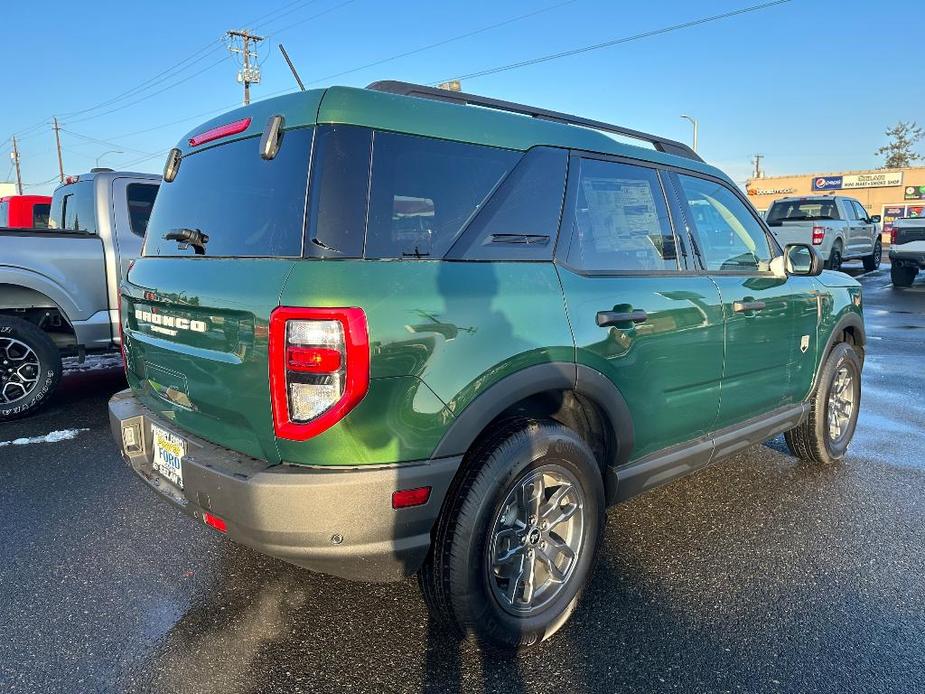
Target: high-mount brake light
[(319, 368), (818, 235), (238, 126)]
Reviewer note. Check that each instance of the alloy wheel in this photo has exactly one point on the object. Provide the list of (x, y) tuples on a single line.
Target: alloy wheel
[(19, 370), (841, 404), (535, 539)]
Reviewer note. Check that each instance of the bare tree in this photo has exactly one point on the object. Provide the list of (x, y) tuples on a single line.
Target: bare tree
[(899, 152)]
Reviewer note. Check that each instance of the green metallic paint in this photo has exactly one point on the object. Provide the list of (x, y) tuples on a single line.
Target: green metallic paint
[(668, 368)]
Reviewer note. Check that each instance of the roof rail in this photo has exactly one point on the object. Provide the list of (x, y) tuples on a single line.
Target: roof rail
[(409, 89)]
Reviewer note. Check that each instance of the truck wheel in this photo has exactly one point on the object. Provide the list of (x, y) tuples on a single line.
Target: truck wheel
[(872, 261), (30, 368), (903, 275), (835, 257), (825, 434), (519, 537)]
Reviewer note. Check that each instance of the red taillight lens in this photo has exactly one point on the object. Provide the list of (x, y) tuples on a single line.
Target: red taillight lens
[(319, 368), (215, 522), (238, 126), (892, 236), (818, 235), (404, 498)]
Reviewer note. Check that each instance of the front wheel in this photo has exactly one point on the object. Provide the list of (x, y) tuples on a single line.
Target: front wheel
[(825, 434), (30, 367), (872, 261), (518, 539)]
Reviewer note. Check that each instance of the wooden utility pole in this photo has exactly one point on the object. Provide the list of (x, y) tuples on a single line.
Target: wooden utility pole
[(249, 74), (16, 162), (57, 130), (757, 161)]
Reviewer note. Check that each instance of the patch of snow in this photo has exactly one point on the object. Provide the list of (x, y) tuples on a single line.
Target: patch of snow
[(51, 437), (93, 362)]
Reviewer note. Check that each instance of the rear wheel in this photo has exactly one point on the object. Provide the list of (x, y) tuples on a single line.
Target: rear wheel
[(872, 261), (518, 540), (30, 367), (825, 434), (835, 257), (903, 275)]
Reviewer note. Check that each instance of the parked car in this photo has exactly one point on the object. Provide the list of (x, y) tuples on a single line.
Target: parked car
[(907, 250), (396, 330), (24, 211), (838, 227), (59, 287)]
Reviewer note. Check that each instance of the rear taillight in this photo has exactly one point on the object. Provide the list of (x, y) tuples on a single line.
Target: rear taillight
[(893, 236), (319, 368), (818, 235)]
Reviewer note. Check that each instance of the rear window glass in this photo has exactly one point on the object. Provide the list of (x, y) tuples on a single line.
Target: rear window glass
[(140, 200), (40, 214), (801, 211), (72, 208), (424, 191), (246, 205)]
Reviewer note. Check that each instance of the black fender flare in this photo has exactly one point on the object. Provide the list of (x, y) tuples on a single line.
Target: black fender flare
[(848, 320), (535, 380)]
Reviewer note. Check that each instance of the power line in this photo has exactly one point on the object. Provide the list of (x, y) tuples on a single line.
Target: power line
[(444, 42), (614, 42)]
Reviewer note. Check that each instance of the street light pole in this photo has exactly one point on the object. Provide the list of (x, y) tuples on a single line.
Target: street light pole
[(110, 151), (694, 123)]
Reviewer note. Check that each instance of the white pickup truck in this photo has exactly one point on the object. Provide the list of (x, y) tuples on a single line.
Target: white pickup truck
[(907, 250), (838, 227), (59, 286)]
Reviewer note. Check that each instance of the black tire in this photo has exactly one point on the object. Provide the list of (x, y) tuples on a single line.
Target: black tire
[(903, 275), (872, 261), (458, 581), (835, 257), (813, 441), (25, 388)]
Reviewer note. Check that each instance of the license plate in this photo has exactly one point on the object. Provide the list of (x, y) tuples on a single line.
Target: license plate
[(169, 450)]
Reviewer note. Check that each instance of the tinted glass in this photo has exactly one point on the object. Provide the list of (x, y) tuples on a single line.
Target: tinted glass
[(521, 220), (859, 209), (4, 214), (801, 211), (620, 220), (40, 215), (246, 205), (338, 191), (729, 236), (73, 209), (424, 191), (140, 199)]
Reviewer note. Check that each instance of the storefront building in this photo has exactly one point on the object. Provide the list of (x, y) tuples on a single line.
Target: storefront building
[(891, 193)]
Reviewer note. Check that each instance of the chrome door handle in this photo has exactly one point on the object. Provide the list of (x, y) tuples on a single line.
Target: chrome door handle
[(608, 318), (745, 306)]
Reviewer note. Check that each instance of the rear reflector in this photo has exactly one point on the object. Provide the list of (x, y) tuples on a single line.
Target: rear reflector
[(215, 522), (405, 498), (238, 126)]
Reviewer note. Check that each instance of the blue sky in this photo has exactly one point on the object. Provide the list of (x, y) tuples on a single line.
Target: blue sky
[(771, 81)]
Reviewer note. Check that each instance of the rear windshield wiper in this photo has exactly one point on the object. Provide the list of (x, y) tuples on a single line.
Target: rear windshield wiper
[(188, 237)]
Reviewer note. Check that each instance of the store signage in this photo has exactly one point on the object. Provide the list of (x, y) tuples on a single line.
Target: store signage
[(771, 191), (914, 193), (852, 181)]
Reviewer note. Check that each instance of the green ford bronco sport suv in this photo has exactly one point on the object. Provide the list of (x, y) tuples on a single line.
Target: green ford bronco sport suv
[(395, 330)]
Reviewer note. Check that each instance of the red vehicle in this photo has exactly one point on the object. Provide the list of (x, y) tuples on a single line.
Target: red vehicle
[(25, 211)]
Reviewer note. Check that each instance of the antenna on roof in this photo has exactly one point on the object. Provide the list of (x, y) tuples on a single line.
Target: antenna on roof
[(292, 67)]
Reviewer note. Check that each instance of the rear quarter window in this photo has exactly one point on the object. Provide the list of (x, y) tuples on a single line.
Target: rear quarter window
[(247, 206), (140, 200), (424, 191), (40, 214)]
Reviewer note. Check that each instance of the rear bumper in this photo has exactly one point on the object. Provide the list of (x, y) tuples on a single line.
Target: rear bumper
[(335, 521), (908, 258)]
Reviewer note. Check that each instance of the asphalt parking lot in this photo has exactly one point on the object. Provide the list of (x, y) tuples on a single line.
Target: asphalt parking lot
[(758, 574)]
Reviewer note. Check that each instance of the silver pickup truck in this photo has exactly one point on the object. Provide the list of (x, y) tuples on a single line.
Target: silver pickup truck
[(838, 227), (59, 286), (907, 250)]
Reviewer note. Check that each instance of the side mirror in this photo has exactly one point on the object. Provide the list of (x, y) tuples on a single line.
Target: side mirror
[(802, 260), (876, 219)]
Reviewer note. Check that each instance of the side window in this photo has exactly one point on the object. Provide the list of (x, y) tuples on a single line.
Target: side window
[(40, 213), (76, 208), (861, 212), (729, 236), (4, 214), (619, 219), (851, 209), (140, 200), (424, 191)]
